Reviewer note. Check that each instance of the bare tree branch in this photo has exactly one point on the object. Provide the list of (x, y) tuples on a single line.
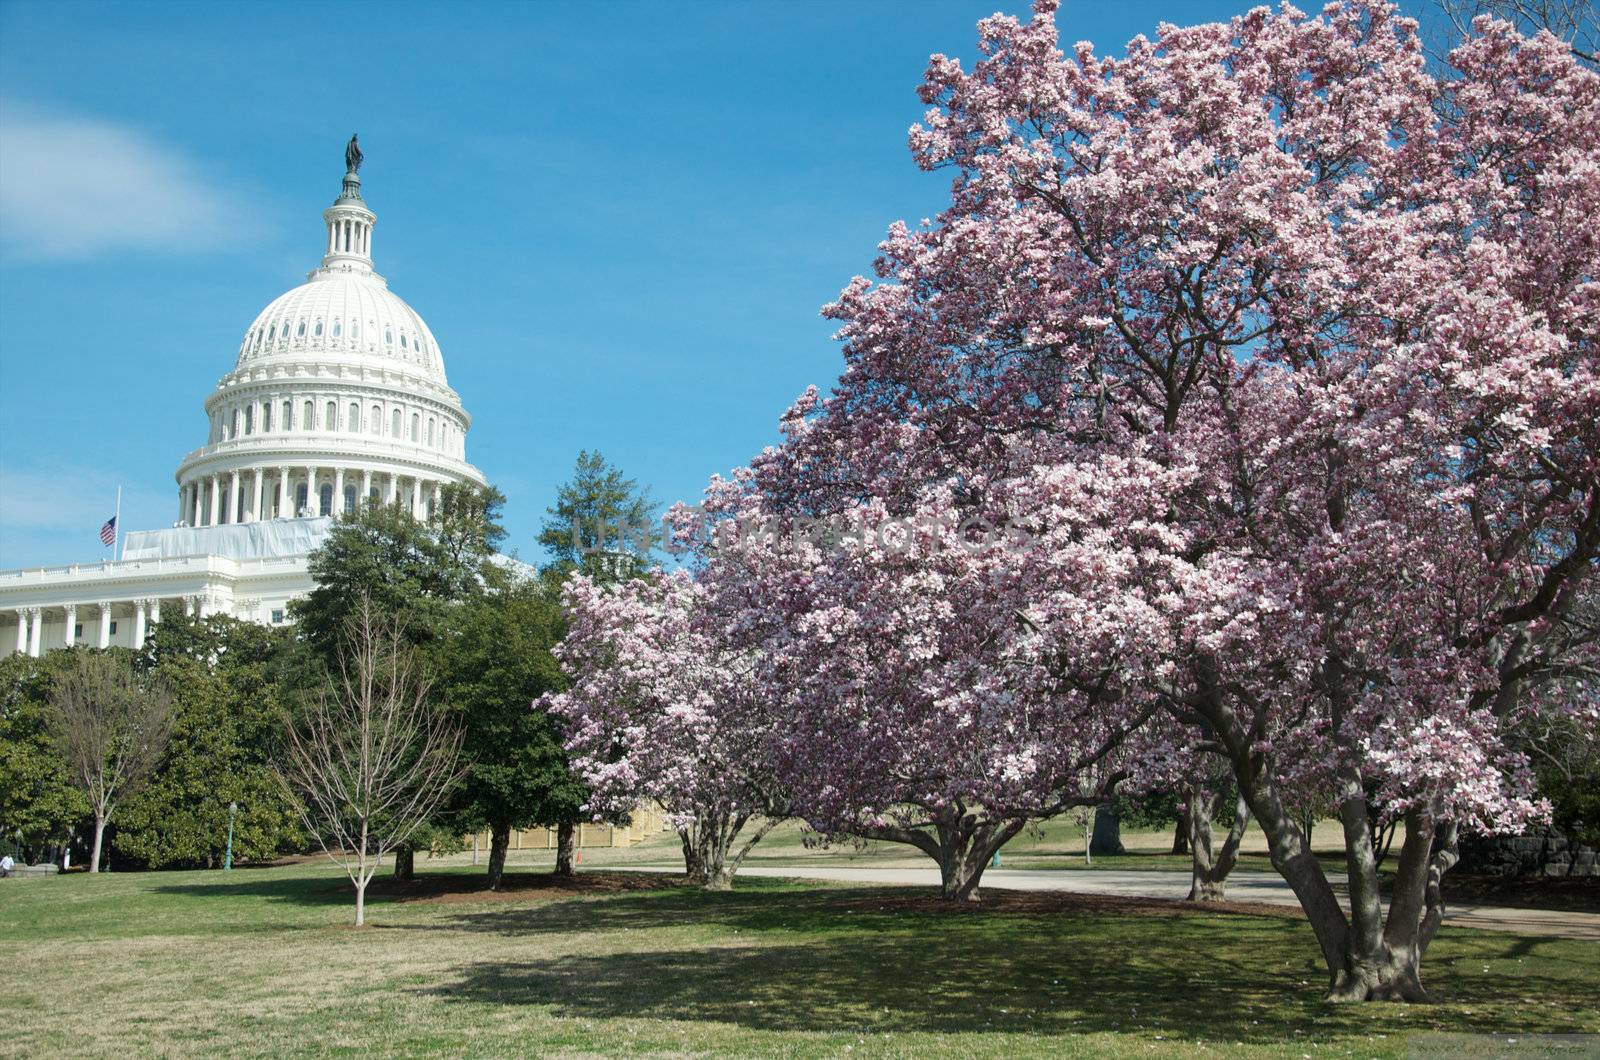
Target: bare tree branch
[(371, 758)]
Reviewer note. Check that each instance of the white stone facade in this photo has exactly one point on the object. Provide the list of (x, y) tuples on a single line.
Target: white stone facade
[(338, 393)]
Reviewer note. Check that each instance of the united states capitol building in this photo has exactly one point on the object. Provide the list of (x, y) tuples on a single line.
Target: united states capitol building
[(338, 393)]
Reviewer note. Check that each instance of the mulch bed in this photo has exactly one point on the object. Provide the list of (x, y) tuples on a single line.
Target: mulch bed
[(516, 886), (1037, 903)]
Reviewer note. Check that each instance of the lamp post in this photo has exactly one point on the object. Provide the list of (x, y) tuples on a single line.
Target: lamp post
[(227, 859)]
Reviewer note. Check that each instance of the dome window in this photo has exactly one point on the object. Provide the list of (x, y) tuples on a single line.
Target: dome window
[(355, 329), (388, 337), (272, 332), (402, 340), (377, 419), (300, 332), (416, 427), (395, 430), (250, 418), (316, 330), (338, 326), (309, 420), (355, 418), (288, 415), (332, 423)]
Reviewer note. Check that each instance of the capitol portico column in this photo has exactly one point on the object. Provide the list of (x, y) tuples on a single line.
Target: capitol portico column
[(138, 623), (105, 624), (394, 489), (72, 621), (416, 498), (35, 630), (313, 505), (283, 492), (22, 630), (337, 508), (233, 496), (261, 486), (155, 611), (366, 489), (214, 484)]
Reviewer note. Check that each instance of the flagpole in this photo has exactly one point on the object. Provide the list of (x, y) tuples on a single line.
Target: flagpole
[(116, 526)]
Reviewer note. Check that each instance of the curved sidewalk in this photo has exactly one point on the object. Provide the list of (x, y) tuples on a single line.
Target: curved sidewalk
[(1242, 886)]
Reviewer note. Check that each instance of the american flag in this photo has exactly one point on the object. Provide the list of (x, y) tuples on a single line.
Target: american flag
[(108, 532)]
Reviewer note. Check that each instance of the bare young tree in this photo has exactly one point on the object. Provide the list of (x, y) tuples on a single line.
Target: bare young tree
[(370, 758), (112, 726)]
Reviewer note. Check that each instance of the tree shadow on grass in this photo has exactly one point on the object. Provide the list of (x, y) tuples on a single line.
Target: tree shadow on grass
[(302, 890), (875, 960), (332, 888)]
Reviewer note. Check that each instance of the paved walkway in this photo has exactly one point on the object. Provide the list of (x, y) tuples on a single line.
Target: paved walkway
[(1242, 887)]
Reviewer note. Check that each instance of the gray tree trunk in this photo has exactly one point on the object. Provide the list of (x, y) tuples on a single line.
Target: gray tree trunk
[(565, 844), (499, 845), (1210, 866), (1107, 832), (961, 844), (708, 855), (99, 837)]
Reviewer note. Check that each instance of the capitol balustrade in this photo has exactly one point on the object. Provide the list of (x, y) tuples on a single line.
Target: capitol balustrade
[(122, 569), (116, 590)]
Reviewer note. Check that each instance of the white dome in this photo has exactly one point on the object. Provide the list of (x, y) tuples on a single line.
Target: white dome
[(338, 397), (343, 315)]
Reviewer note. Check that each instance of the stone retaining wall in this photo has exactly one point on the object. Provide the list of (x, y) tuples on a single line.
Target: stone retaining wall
[(1546, 854)]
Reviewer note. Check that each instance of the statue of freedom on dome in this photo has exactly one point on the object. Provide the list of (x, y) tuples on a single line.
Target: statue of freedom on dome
[(352, 155)]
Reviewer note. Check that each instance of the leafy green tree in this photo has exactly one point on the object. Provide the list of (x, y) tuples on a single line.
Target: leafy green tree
[(39, 803), (603, 523), (494, 662), (224, 678), (407, 567)]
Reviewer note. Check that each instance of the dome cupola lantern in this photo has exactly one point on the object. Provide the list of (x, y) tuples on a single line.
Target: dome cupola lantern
[(349, 221)]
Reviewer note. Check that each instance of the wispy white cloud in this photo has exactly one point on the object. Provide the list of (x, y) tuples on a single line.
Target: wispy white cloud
[(74, 187)]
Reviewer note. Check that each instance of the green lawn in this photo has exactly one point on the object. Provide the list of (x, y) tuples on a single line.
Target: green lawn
[(262, 960)]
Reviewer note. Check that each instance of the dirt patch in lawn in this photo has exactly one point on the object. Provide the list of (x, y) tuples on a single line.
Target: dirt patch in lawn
[(516, 886), (1032, 903)]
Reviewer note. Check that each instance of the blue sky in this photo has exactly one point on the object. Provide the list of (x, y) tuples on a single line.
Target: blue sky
[(620, 221)]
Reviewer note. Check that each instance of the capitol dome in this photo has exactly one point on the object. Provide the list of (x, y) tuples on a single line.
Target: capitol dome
[(342, 314), (338, 397)]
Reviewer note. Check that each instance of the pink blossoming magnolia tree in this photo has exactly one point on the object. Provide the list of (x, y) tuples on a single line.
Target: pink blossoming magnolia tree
[(660, 708), (1315, 334), (914, 706)]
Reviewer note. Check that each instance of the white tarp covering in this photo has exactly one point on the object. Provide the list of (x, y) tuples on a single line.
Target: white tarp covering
[(270, 539)]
